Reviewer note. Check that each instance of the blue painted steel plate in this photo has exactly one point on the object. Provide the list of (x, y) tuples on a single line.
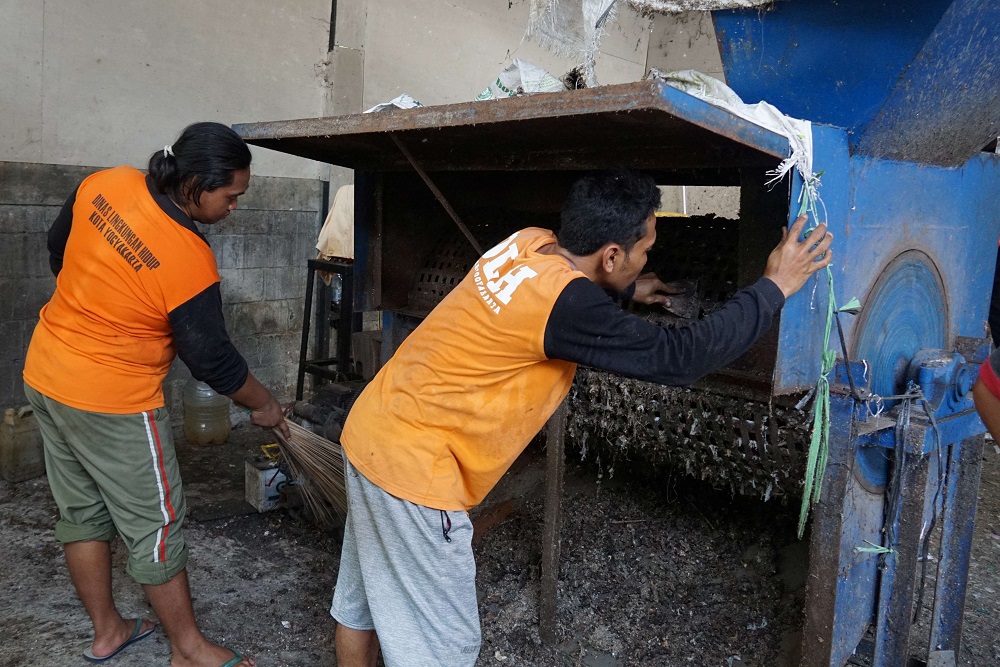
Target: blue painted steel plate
[(904, 313)]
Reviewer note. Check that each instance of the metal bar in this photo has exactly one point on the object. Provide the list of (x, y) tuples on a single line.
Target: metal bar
[(345, 325), (321, 342), (318, 371), (555, 464), (306, 317), (895, 608), (333, 26), (836, 620), (437, 193), (965, 463), (328, 361)]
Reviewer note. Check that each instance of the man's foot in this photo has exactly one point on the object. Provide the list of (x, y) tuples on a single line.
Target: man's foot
[(211, 655), (125, 633)]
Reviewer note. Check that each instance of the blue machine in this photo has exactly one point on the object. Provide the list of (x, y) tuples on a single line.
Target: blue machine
[(902, 97), (905, 95)]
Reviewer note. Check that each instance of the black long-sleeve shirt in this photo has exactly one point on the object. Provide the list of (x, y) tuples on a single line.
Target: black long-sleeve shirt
[(588, 327)]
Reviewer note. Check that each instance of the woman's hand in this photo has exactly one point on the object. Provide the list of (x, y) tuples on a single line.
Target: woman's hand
[(270, 416), (265, 411)]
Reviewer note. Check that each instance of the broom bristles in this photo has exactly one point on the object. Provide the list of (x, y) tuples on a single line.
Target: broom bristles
[(318, 466)]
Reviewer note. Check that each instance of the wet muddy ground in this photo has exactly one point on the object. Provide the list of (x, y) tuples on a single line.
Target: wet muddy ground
[(651, 574)]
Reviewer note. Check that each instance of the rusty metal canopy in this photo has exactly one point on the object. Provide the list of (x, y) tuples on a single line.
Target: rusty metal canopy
[(643, 125)]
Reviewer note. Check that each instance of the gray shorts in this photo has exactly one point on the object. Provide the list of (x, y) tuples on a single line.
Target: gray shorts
[(407, 572)]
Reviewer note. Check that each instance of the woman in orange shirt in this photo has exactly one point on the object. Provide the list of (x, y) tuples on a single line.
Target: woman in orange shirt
[(136, 285)]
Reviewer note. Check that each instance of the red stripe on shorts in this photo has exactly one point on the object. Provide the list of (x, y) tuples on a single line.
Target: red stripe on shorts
[(166, 488)]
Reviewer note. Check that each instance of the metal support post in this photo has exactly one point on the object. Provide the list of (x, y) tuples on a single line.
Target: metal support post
[(555, 464), (841, 587), (306, 321), (320, 367), (345, 325), (895, 608), (965, 463)]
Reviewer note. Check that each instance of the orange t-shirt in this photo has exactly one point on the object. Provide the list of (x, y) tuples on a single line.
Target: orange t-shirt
[(468, 389), (104, 342)]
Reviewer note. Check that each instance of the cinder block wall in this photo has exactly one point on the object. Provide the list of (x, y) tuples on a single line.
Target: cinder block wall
[(261, 251)]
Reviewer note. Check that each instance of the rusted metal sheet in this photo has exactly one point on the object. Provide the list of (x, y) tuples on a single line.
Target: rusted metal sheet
[(643, 125)]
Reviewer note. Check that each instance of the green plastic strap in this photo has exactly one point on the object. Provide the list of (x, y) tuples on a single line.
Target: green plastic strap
[(819, 444), (853, 304), (873, 548)]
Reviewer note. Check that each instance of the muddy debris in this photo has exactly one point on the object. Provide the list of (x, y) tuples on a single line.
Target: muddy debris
[(662, 572)]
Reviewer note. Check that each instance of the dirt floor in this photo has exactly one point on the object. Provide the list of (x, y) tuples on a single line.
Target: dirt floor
[(666, 574)]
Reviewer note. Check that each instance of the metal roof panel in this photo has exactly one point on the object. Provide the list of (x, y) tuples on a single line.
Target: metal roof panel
[(646, 124)]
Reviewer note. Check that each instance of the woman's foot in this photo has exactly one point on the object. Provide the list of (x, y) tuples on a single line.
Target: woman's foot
[(115, 639)]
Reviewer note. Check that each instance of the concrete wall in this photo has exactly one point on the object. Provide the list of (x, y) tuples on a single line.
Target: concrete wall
[(261, 252), (444, 51), (106, 82)]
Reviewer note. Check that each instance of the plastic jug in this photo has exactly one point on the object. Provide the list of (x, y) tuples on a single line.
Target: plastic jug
[(206, 414), (21, 454)]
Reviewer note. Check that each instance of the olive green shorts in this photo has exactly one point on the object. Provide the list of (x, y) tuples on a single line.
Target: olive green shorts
[(116, 474)]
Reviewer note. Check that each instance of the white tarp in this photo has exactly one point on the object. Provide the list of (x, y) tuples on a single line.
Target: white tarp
[(519, 78), (404, 101), (797, 131), (571, 29)]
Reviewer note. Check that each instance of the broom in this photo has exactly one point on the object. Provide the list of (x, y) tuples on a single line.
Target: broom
[(318, 466)]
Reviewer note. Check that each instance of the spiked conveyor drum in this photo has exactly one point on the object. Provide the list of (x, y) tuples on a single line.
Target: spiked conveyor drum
[(751, 447)]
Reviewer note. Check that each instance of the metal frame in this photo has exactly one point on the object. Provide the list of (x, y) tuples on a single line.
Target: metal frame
[(320, 367), (877, 208)]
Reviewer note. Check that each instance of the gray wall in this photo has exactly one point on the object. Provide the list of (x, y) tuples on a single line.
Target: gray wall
[(261, 250), (444, 51), (105, 82)]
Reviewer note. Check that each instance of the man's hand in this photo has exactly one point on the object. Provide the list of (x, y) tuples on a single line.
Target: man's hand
[(652, 291), (793, 261)]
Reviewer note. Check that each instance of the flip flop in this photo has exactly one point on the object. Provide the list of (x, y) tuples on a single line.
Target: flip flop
[(235, 661), (89, 656)]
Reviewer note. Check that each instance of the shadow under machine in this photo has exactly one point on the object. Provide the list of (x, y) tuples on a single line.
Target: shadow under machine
[(899, 126)]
